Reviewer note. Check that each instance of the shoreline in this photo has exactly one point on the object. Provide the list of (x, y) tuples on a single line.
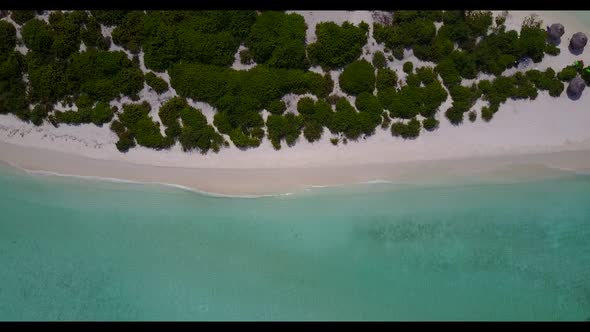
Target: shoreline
[(251, 183)]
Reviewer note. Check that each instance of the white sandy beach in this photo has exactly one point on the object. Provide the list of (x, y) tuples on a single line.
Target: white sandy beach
[(541, 127)]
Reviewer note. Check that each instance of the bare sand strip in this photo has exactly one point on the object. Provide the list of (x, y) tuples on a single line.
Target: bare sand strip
[(265, 181)]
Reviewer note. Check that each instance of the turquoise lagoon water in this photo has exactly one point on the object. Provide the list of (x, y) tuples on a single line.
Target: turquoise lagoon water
[(73, 249)]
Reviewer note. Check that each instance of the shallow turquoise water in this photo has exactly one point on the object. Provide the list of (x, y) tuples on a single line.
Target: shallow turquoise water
[(78, 249)]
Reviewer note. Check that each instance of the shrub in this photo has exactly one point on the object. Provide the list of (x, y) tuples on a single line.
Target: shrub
[(408, 67), (358, 77), (196, 133), (487, 113), (101, 113), (7, 38), (246, 57), (146, 131), (472, 116), (278, 40), (379, 60), (277, 107), (334, 140), (287, 127), (22, 16), (411, 130), (386, 78), (336, 46), (430, 124), (567, 73), (158, 84)]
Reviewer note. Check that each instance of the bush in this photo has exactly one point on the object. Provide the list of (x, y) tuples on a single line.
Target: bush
[(109, 17), (358, 77), (246, 57), (196, 133), (472, 116), (367, 102), (101, 113), (146, 131), (22, 16), (552, 49), (430, 124), (487, 113), (411, 130), (408, 67), (287, 127), (278, 40), (386, 78), (567, 73), (336, 46), (379, 60), (334, 140), (126, 141), (156, 83), (277, 107), (7, 38)]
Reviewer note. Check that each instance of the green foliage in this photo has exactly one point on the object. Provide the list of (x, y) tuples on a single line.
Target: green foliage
[(567, 73), (38, 37), (240, 95), (336, 46), (7, 38), (334, 140), (367, 102), (156, 83), (196, 133), (13, 96), (109, 17), (100, 114), (287, 127), (408, 67), (104, 75), (358, 77), (278, 40), (352, 124), (430, 124), (412, 100), (552, 49), (22, 16), (246, 57), (169, 114), (92, 35), (379, 60), (472, 116), (277, 107), (411, 130), (129, 33), (316, 115), (463, 99), (386, 78), (546, 80), (139, 124), (487, 113)]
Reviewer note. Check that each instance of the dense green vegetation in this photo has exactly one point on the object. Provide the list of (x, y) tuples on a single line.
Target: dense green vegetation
[(410, 130), (197, 49), (239, 96), (100, 114), (12, 87), (358, 77), (336, 45), (142, 127), (278, 40), (156, 83)]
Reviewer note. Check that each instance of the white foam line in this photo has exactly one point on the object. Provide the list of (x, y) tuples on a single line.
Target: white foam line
[(117, 180)]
